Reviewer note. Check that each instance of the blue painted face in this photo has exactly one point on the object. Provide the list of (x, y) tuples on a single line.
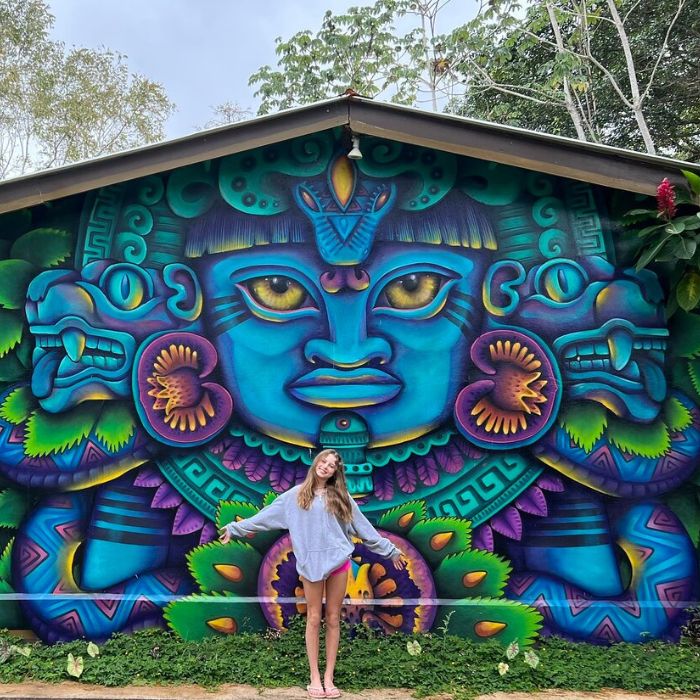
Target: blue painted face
[(298, 338)]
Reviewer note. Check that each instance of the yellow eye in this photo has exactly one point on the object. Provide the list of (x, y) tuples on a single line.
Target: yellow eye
[(277, 293), (412, 291)]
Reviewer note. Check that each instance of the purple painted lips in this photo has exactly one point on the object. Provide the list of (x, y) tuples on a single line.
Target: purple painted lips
[(336, 388)]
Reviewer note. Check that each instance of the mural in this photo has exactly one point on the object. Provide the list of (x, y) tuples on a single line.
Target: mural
[(503, 386)]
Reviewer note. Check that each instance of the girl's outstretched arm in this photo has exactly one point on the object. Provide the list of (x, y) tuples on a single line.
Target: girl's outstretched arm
[(366, 532), (271, 517)]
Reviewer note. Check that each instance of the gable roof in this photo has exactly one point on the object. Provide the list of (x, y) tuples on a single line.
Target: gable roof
[(553, 155)]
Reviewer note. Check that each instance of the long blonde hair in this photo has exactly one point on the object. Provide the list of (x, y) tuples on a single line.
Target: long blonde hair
[(337, 495)]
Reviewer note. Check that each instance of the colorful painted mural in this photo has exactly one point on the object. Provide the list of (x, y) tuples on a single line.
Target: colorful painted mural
[(512, 408)]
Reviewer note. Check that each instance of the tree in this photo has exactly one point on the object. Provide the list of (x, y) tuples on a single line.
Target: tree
[(360, 49), (57, 105), (614, 71), (227, 113)]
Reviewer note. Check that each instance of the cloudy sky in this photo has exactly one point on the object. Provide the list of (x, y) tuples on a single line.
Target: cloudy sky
[(202, 51)]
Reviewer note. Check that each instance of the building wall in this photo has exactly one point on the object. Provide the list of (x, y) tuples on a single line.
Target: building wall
[(513, 410)]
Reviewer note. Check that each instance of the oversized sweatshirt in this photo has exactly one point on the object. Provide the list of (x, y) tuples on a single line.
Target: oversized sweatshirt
[(321, 542)]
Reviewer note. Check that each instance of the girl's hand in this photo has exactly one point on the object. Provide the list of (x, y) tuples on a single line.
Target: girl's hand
[(224, 535), (399, 561)]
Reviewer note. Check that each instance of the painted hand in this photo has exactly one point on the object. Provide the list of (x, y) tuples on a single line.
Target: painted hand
[(224, 535)]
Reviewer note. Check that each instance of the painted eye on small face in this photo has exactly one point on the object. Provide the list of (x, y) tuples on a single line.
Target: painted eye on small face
[(126, 286), (278, 293), (412, 291)]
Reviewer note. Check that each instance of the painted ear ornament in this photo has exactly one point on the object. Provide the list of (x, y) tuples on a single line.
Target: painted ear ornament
[(517, 400), (174, 402)]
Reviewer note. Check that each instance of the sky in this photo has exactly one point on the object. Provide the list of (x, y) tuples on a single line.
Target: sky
[(201, 51)]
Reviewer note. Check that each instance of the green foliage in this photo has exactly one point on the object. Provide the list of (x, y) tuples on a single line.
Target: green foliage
[(199, 616), (650, 440), (18, 405), (446, 664), (567, 68), (676, 415), (10, 613), (13, 506), (437, 538), (268, 498), (674, 239), (231, 567), (6, 561), (116, 425), (55, 432), (15, 276), (402, 518), (685, 334), (11, 329), (43, 247), (60, 104), (472, 573), (360, 49), (585, 423)]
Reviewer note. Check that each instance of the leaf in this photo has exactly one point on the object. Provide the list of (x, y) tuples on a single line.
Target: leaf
[(649, 229), (75, 666), (512, 650), (413, 648), (268, 498), (15, 276), (6, 561), (688, 290), (531, 658), (13, 506), (472, 573), (436, 538), (693, 181), (650, 253), (49, 433), (93, 650), (676, 416), (402, 518), (22, 651), (11, 328), (221, 567), (200, 616), (503, 668), (43, 247), (17, 405), (585, 423), (115, 425), (650, 440)]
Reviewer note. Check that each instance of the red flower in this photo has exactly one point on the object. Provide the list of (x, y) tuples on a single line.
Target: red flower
[(666, 199)]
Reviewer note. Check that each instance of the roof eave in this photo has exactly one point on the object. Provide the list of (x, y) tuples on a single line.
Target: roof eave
[(553, 155)]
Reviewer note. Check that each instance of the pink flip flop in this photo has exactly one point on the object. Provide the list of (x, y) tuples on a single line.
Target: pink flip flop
[(315, 691), (332, 692)]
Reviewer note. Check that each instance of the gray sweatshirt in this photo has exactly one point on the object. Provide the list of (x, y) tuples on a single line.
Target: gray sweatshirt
[(320, 541)]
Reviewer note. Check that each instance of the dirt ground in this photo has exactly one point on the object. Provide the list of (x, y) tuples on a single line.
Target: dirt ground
[(75, 691)]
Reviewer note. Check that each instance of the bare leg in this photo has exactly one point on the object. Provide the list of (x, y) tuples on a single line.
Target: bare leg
[(313, 592), (335, 592)]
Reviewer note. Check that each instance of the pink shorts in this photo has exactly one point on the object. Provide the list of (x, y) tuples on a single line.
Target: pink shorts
[(341, 569)]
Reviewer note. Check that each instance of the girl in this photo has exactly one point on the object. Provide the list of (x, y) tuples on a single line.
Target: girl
[(321, 518)]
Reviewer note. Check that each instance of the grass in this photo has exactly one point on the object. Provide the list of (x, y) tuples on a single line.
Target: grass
[(445, 663)]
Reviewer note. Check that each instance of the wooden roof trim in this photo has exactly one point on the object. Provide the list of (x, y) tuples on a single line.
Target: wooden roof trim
[(594, 163)]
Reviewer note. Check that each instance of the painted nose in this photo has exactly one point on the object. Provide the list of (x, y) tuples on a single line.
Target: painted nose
[(348, 344), (361, 352)]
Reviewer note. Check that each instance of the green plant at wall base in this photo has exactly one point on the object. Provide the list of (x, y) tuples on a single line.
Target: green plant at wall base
[(673, 238), (446, 664)]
